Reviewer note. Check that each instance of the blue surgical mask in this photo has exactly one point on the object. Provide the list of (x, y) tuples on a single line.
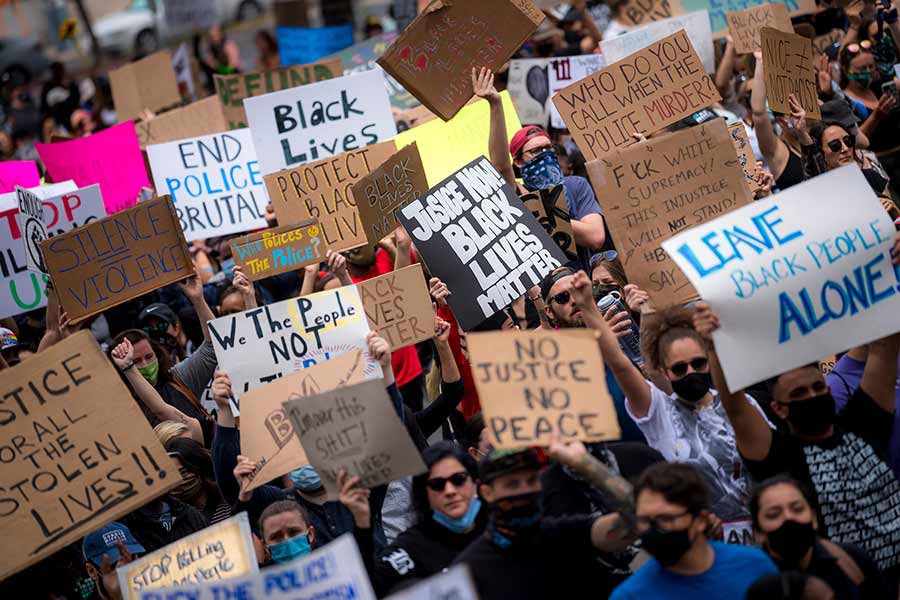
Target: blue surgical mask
[(463, 523), (306, 479), (291, 549), (542, 171)]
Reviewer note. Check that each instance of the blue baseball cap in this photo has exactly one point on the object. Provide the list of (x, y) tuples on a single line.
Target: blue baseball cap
[(105, 541)]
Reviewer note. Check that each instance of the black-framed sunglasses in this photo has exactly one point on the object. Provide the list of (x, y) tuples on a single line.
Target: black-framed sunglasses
[(561, 298), (680, 368), (848, 141), (437, 484), (159, 326)]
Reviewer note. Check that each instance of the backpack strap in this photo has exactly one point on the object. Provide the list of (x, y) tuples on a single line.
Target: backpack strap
[(187, 393), (845, 562)]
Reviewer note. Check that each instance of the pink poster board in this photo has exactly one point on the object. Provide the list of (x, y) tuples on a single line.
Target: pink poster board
[(18, 172)]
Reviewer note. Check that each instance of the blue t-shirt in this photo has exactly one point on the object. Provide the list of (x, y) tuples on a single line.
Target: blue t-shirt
[(734, 570), (582, 202)]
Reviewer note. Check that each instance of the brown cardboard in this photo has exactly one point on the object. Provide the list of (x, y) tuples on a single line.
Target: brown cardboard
[(267, 435), (550, 207), (744, 25), (643, 92), (354, 428), (322, 190), (279, 250), (822, 42), (232, 89), (413, 117), (434, 56), (744, 153), (790, 69), (388, 188), (647, 198), (79, 447), (148, 84), (143, 245), (532, 384), (203, 117), (398, 306), (641, 12)]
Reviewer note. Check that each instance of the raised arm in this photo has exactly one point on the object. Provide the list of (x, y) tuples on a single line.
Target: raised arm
[(498, 141), (725, 70), (404, 246), (240, 281), (193, 288), (880, 374)]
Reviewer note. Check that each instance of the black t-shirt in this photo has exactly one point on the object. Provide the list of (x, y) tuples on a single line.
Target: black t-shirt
[(857, 493), (825, 566)]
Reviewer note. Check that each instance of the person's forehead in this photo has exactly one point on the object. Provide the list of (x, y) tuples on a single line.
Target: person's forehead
[(782, 493), (796, 378), (290, 518), (560, 284), (650, 503), (536, 142), (601, 273), (834, 132)]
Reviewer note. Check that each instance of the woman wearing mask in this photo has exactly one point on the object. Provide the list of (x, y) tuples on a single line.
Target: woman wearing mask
[(198, 482), (786, 526)]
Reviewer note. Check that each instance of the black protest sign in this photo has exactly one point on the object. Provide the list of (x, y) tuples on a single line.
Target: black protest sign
[(476, 235), (550, 207)]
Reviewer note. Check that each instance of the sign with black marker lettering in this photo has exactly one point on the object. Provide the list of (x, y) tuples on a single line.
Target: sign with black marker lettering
[(476, 235), (398, 306), (789, 68), (34, 230)]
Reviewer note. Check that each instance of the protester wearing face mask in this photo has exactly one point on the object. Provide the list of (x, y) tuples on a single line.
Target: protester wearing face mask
[(286, 531), (162, 325), (198, 482), (787, 527)]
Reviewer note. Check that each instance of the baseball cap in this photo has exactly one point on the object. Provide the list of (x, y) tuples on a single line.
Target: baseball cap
[(837, 111), (8, 339), (105, 540), (160, 311), (552, 277), (523, 135), (503, 462)]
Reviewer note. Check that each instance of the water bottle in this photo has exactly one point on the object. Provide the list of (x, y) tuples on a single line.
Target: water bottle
[(630, 343)]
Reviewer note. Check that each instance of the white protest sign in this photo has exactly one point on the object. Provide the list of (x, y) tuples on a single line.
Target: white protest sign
[(533, 81), (214, 181), (333, 571), (562, 72), (32, 227), (452, 584), (796, 276), (262, 344), (303, 124), (696, 24)]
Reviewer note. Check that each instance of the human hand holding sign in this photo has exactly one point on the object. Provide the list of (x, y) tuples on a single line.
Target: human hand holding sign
[(438, 290), (355, 498)]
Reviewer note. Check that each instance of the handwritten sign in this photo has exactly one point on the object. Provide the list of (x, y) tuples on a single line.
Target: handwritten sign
[(117, 258), (744, 25), (788, 60), (695, 24), (643, 93), (718, 10), (33, 228), (454, 583), (744, 153), (821, 43), (550, 207), (273, 251), (146, 84), (433, 57), (218, 552), (305, 44), (639, 12), (18, 172), (323, 190), (267, 435), (203, 117), (111, 158), (386, 189), (307, 123), (789, 289), (536, 383), (77, 451), (476, 235), (214, 182), (653, 190), (398, 306), (232, 89), (355, 428)]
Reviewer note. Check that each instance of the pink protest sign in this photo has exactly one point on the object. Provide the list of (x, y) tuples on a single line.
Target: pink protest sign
[(111, 158), (23, 173)]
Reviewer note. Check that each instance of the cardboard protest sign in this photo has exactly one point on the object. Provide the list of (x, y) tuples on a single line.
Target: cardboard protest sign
[(433, 58), (407, 119), (262, 344), (297, 45), (398, 306), (565, 71), (18, 172), (77, 451), (193, 14), (310, 122), (111, 158), (362, 56), (718, 10), (335, 570), (454, 583), (32, 225), (744, 153), (214, 182), (653, 190), (476, 235), (355, 428), (323, 190), (643, 93), (267, 435), (279, 250), (640, 12), (821, 43), (117, 258), (232, 89), (744, 25), (216, 553), (386, 189), (788, 60), (695, 24), (536, 383), (788, 288), (550, 208), (203, 117), (146, 84)]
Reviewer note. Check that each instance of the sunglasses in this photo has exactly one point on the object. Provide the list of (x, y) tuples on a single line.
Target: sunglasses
[(679, 369), (160, 326), (607, 256), (561, 298), (855, 48), (437, 484), (848, 141)]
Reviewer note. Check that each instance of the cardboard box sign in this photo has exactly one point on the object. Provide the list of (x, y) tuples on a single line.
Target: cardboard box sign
[(745, 155), (790, 69), (112, 260), (535, 383), (655, 189), (744, 25), (386, 189), (323, 190), (279, 250), (643, 93), (146, 84), (203, 117), (550, 207), (78, 452), (398, 306), (434, 56)]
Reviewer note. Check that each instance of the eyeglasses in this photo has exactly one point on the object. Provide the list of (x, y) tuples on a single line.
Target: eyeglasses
[(855, 48), (561, 298), (437, 484), (531, 153), (679, 369), (663, 522), (160, 326), (848, 141)]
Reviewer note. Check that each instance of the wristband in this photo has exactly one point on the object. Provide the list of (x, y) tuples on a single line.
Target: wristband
[(131, 364)]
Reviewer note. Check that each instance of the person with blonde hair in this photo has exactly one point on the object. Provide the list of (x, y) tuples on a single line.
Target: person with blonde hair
[(169, 430)]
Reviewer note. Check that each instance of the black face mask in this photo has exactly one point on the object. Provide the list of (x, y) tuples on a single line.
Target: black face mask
[(693, 386), (667, 547), (812, 416), (791, 541), (515, 519)]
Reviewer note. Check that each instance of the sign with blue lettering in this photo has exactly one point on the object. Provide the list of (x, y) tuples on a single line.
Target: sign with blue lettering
[(214, 181), (794, 277), (303, 124)]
